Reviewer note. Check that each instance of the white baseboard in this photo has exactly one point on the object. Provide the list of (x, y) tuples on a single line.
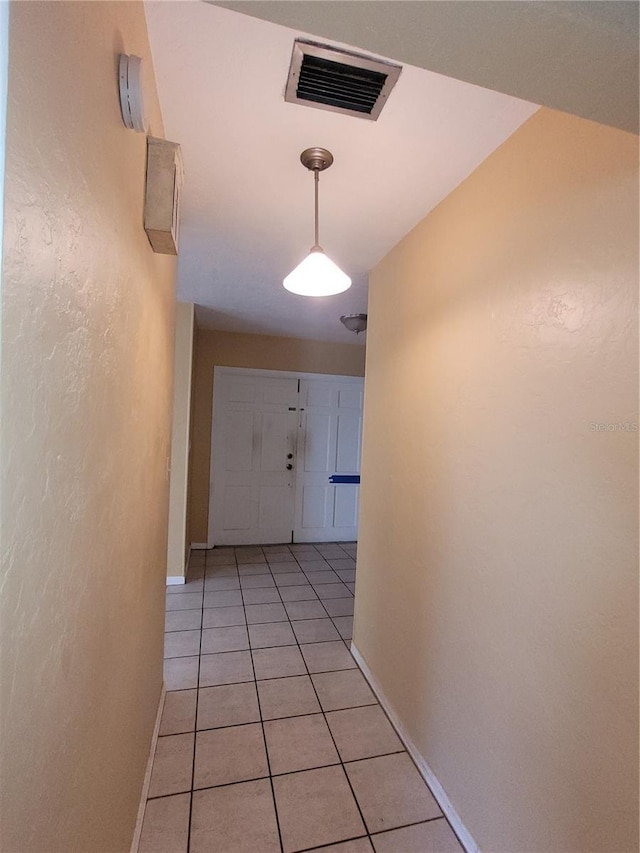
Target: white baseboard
[(172, 580), (199, 546), (147, 776), (464, 836)]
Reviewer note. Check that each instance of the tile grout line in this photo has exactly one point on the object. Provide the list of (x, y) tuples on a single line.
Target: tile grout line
[(266, 751), (195, 721)]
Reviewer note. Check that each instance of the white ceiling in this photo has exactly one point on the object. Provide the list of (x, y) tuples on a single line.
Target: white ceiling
[(247, 210), (579, 56)]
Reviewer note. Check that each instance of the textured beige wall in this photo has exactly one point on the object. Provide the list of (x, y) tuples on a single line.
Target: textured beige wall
[(87, 338), (497, 594), (266, 352), (178, 545)]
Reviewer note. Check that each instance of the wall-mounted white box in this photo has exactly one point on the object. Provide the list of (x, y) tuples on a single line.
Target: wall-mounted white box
[(162, 196)]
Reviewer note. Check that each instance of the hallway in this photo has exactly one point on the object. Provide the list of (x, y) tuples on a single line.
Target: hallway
[(271, 739)]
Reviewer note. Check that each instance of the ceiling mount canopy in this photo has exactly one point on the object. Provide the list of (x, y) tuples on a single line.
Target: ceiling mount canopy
[(317, 275)]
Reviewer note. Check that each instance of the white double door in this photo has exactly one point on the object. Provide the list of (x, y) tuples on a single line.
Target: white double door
[(277, 438)]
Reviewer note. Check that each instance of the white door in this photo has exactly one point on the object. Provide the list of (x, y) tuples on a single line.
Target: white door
[(329, 440), (255, 421), (276, 441)]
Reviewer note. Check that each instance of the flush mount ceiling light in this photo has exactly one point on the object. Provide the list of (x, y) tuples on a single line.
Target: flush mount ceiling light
[(317, 275), (354, 322)]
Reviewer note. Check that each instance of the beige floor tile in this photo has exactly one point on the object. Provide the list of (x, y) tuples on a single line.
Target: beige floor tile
[(337, 690), (253, 569), (256, 581), (192, 584), (181, 673), (391, 792), (222, 598), (287, 697), (261, 596), (322, 576), (221, 572), (221, 558), (234, 754), (358, 845), (279, 567), (302, 549), (436, 836), (257, 613), (222, 617), (179, 712), (215, 584), (339, 606), (230, 639), (278, 662), (279, 556), (346, 575), (331, 590), (327, 657), (289, 579), (227, 705), (316, 807), (184, 601), (271, 634), (304, 592), (299, 743), (305, 609), (257, 560), (182, 620), (165, 828), (181, 644), (342, 563), (235, 819), (315, 564), (253, 552), (172, 765), (225, 668), (363, 733), (351, 587), (315, 630), (344, 624)]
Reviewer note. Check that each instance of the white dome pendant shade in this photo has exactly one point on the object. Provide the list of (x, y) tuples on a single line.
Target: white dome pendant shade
[(317, 275)]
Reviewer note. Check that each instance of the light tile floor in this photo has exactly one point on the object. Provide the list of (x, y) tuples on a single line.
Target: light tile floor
[(271, 740)]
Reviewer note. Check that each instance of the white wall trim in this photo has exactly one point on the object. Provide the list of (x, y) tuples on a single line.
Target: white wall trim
[(199, 546), (464, 836), (147, 775), (174, 580)]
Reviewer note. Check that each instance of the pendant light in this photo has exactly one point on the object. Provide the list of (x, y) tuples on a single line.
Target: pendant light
[(317, 275)]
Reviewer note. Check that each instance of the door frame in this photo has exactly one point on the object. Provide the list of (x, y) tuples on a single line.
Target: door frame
[(216, 433)]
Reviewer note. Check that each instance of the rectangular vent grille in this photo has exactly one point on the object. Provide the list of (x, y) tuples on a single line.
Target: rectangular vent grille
[(336, 80)]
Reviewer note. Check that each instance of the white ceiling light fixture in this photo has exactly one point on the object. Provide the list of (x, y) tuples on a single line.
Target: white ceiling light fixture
[(317, 275), (354, 322)]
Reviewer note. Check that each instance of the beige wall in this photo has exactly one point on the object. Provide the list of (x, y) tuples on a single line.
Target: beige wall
[(178, 545), (497, 594), (87, 351), (266, 352)]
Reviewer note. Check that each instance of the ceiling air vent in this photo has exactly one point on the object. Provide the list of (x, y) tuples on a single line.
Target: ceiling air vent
[(329, 78)]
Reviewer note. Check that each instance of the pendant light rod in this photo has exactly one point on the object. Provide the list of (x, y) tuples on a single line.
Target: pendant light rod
[(316, 160), (316, 173)]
